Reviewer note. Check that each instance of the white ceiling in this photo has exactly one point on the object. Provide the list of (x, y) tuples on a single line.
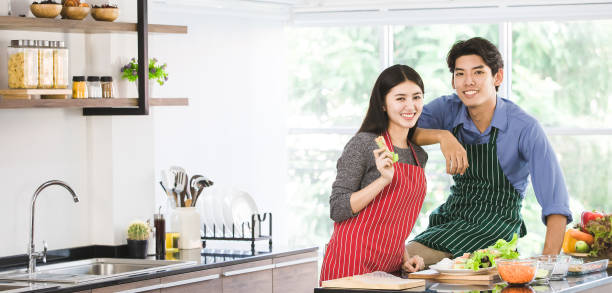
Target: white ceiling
[(310, 12)]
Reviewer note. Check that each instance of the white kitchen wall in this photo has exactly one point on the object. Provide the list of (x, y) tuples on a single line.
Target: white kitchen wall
[(233, 130), (232, 70)]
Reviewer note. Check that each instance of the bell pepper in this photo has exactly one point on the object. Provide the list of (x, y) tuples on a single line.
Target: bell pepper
[(588, 216), (569, 242)]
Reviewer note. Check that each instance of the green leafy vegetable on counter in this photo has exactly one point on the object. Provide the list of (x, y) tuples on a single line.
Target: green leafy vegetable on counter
[(484, 258), (601, 228)]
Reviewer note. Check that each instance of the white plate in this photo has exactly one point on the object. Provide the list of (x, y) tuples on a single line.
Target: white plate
[(461, 271), (242, 208)]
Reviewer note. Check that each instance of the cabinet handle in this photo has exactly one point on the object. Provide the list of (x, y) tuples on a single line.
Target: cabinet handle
[(172, 284), (249, 270), (143, 289), (191, 281), (296, 262)]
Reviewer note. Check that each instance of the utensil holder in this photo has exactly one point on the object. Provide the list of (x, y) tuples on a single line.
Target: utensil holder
[(187, 221)]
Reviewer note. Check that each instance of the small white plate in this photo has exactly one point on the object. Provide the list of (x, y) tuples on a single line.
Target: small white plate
[(461, 271)]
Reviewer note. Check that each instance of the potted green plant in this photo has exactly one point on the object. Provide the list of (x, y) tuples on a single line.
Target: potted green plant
[(138, 239), (157, 73)]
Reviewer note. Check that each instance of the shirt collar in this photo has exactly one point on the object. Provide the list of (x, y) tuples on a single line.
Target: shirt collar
[(500, 116)]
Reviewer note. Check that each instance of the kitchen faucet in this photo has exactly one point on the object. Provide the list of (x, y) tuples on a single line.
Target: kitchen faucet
[(32, 254)]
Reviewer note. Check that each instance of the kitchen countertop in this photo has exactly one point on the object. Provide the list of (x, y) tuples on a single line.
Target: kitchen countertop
[(571, 284), (204, 259)]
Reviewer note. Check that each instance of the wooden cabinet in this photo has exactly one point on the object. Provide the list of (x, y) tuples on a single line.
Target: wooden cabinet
[(201, 281), (253, 277), (295, 273), (145, 286)]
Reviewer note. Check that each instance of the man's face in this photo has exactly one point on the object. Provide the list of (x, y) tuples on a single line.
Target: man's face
[(473, 81)]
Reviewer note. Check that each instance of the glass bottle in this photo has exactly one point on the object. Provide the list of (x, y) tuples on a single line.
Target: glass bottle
[(79, 87), (94, 89), (160, 236), (60, 65), (22, 65), (108, 87), (45, 65)]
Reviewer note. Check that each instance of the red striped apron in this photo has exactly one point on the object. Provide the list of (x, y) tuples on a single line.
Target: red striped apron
[(374, 239)]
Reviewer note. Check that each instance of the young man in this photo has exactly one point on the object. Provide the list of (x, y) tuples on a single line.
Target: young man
[(503, 146)]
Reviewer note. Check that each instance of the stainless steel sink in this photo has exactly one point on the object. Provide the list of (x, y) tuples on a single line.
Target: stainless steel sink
[(93, 269), (15, 287)]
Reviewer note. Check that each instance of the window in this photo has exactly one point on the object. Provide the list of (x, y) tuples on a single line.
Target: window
[(561, 74), (332, 71)]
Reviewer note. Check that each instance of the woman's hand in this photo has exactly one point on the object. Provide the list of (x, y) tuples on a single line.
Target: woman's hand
[(412, 264), (384, 164), (455, 154)]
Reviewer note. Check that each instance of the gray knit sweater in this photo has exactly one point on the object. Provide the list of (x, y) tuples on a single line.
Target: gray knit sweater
[(357, 169)]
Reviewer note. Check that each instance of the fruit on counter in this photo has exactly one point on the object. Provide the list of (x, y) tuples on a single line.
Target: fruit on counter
[(601, 228), (579, 235), (380, 141), (569, 242), (582, 246), (588, 216)]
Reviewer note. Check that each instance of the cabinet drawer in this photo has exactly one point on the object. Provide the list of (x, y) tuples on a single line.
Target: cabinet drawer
[(255, 277), (295, 273), (200, 281)]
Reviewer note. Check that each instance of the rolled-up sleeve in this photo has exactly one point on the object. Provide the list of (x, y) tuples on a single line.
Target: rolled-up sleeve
[(546, 175), (351, 168)]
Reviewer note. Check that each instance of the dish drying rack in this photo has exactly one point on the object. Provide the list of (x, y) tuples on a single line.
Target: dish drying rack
[(231, 233)]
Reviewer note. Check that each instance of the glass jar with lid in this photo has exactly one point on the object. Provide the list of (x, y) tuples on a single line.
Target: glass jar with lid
[(45, 65), (94, 89), (60, 65), (79, 87), (22, 65), (108, 87)]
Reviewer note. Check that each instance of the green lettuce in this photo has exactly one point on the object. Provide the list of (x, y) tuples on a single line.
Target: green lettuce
[(601, 229), (484, 258)]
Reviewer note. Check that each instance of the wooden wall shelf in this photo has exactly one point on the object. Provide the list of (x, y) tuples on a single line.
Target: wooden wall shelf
[(81, 26), (90, 103)]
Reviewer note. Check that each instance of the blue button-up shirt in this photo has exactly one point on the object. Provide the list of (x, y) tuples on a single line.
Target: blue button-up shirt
[(522, 148)]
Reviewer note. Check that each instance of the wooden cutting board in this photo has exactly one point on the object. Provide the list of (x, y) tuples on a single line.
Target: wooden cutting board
[(373, 281), (434, 275)]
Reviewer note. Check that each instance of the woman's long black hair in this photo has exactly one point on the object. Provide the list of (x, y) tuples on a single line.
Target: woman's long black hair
[(376, 119)]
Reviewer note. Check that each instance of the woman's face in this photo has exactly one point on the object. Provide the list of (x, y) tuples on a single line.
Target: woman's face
[(404, 104)]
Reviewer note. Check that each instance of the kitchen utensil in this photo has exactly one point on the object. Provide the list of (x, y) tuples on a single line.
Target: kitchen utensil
[(461, 271), (46, 10), (374, 280), (179, 185), (201, 182), (448, 278), (194, 188), (167, 183), (105, 14)]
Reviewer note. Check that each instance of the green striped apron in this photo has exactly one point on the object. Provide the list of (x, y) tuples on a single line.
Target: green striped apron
[(483, 205)]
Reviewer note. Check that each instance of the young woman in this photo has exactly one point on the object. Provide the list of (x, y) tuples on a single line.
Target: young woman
[(374, 201)]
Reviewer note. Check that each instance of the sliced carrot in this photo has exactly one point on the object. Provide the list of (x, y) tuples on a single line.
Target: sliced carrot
[(579, 235)]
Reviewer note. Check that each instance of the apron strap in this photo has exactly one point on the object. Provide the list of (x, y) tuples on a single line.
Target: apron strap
[(388, 140)]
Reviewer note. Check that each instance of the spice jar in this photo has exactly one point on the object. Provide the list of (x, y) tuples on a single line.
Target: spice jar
[(45, 65), (108, 88), (79, 87), (60, 65), (22, 65), (94, 90)]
